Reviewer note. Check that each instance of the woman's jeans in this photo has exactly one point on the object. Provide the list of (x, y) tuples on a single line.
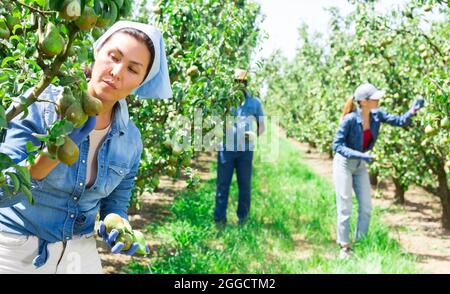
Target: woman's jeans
[(348, 175), (227, 162)]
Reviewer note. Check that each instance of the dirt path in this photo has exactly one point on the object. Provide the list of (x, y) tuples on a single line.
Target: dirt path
[(416, 225), (155, 207)]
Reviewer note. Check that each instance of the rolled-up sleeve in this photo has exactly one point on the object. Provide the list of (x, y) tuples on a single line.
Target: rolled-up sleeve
[(19, 132)]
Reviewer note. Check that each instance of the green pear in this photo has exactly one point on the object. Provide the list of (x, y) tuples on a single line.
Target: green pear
[(76, 115), (51, 42), (127, 239), (109, 16), (87, 19), (71, 10), (64, 100), (113, 221), (11, 21), (119, 3), (140, 239), (4, 31), (91, 105), (68, 152)]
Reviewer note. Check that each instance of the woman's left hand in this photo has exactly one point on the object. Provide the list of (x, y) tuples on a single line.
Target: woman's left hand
[(417, 104), (116, 247)]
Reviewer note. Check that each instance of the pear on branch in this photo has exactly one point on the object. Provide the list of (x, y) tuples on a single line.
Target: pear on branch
[(64, 100), (108, 17), (87, 19), (51, 42), (4, 31), (91, 105), (71, 10), (68, 152)]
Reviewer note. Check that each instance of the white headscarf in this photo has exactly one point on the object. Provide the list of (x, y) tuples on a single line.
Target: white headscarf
[(157, 83)]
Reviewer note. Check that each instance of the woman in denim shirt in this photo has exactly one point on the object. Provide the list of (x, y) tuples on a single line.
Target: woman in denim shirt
[(55, 235), (357, 134)]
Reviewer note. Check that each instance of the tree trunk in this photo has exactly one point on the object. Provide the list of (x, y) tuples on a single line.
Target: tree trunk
[(444, 195), (399, 192), (373, 176), (330, 154)]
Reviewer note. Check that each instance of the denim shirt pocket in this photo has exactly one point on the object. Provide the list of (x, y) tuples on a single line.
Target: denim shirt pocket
[(115, 174)]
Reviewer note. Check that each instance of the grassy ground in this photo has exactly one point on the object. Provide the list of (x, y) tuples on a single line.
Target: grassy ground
[(291, 229)]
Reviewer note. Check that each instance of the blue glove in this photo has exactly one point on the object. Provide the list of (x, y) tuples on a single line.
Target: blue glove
[(417, 104), (116, 247), (82, 132)]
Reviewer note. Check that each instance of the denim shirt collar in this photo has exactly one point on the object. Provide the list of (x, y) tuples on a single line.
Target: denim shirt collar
[(121, 118), (247, 95), (373, 115)]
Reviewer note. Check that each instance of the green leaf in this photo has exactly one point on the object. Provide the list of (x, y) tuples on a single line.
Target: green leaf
[(41, 137), (5, 161), (30, 147), (3, 122), (3, 76), (55, 4), (24, 174), (40, 2), (31, 158), (8, 59), (6, 190)]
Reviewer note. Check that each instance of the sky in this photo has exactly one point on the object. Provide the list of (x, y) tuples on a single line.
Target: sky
[(284, 17)]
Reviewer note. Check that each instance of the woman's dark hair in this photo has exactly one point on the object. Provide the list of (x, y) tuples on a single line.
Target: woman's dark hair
[(138, 35)]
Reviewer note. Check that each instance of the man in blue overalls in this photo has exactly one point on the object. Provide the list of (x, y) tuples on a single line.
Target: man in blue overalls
[(238, 153)]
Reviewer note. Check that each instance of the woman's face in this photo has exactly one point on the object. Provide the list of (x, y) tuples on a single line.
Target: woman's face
[(369, 104), (120, 67)]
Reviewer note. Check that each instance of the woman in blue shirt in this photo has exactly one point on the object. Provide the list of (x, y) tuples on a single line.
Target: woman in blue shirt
[(357, 134), (55, 235)]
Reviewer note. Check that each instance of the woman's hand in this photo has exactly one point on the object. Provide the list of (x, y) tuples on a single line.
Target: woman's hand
[(116, 247), (369, 158), (417, 104)]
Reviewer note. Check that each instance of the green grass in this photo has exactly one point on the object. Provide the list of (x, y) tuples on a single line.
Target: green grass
[(291, 229)]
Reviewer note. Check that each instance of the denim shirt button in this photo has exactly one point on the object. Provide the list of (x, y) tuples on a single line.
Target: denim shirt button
[(75, 198), (81, 184), (120, 172), (83, 161), (67, 238), (72, 215)]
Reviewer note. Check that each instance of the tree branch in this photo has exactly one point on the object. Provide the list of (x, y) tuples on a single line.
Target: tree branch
[(43, 13), (46, 78), (430, 189)]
